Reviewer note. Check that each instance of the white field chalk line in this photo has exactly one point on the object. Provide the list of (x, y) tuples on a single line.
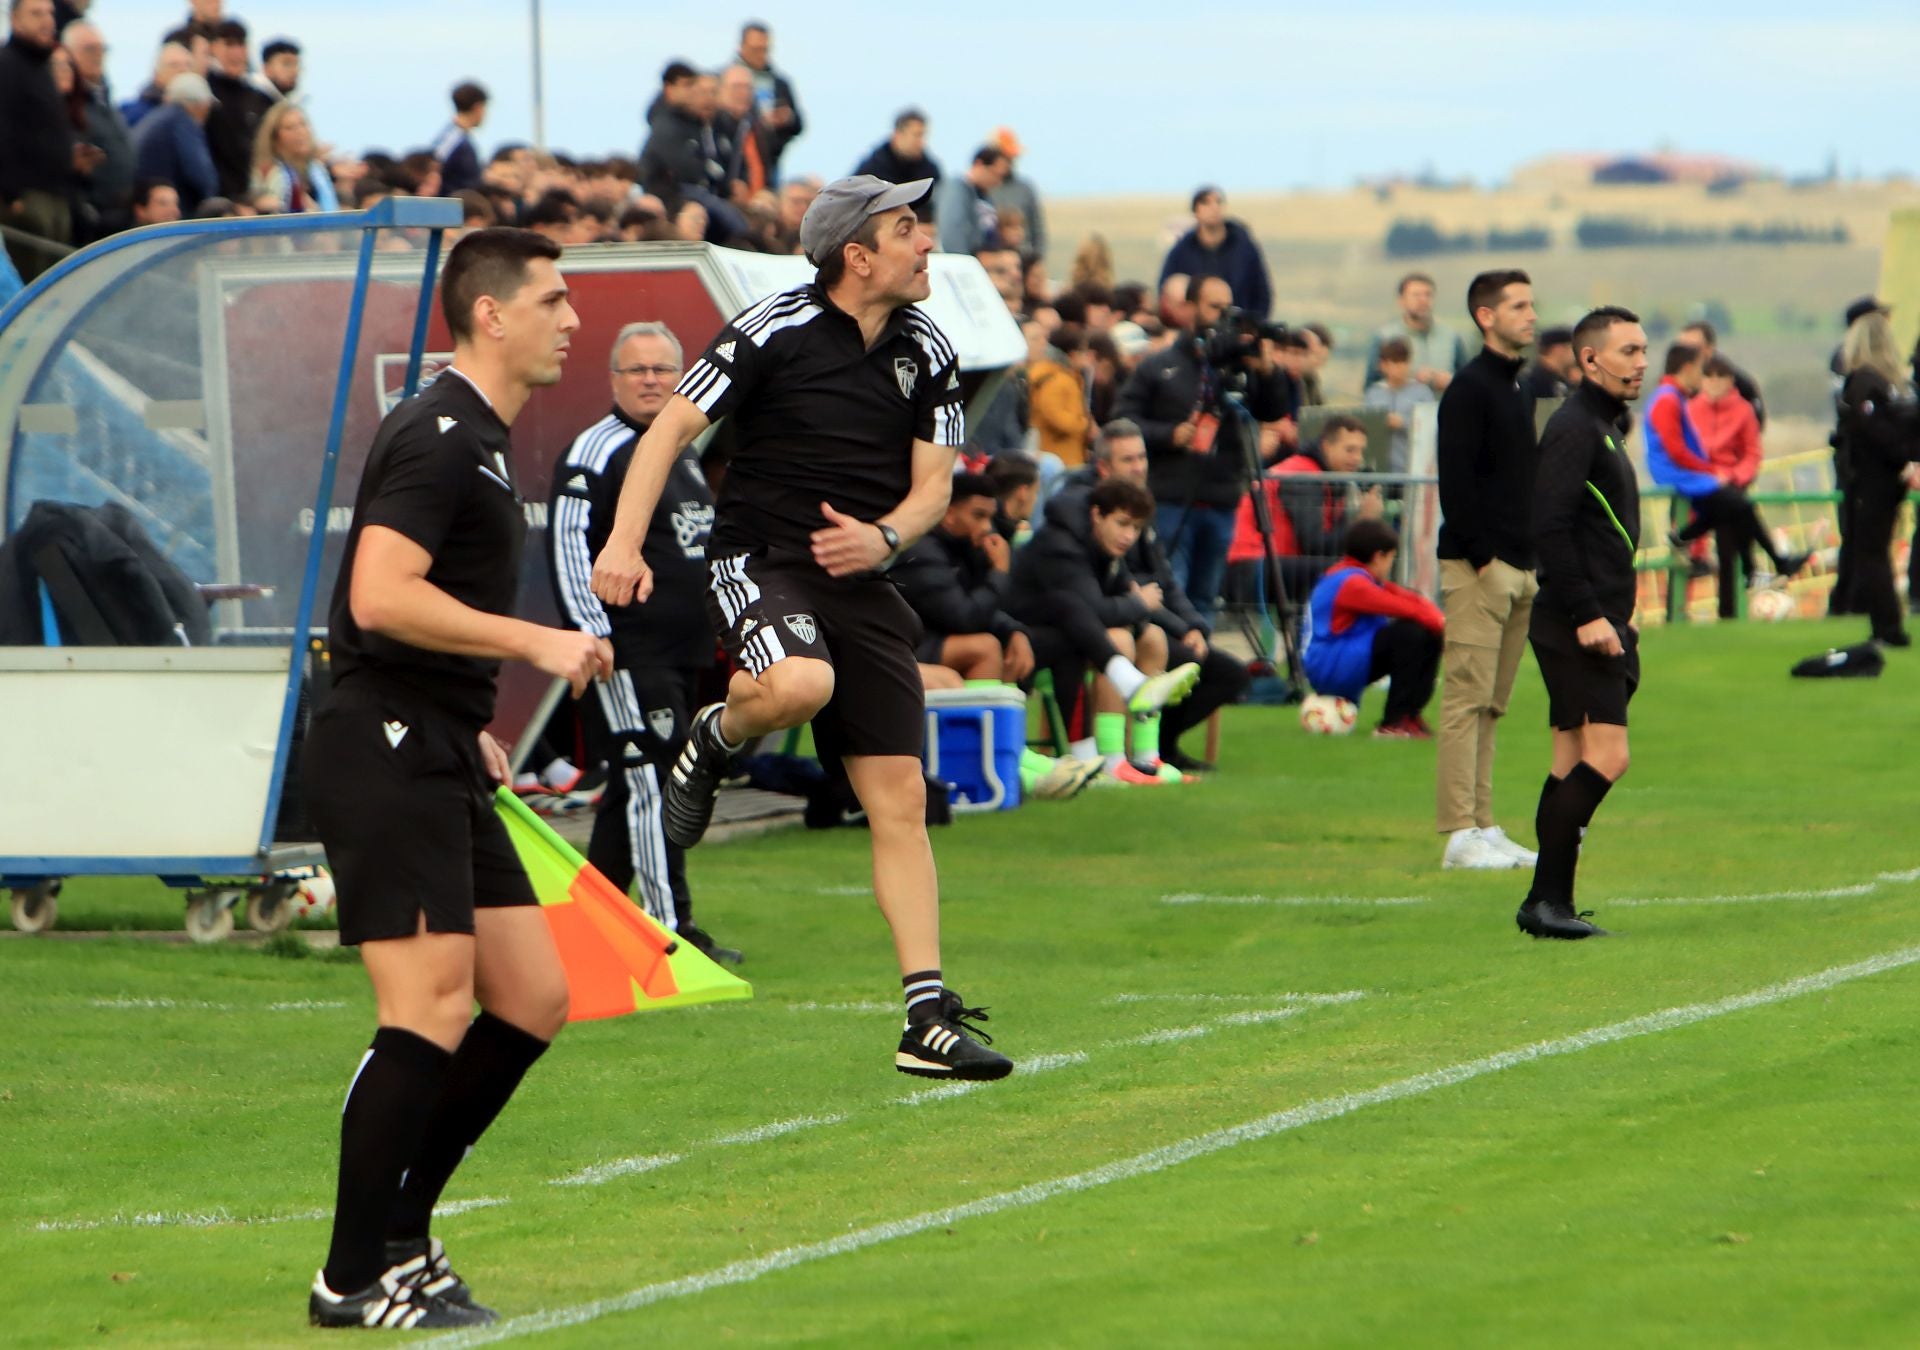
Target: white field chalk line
[(856, 1006), (1172, 1155), (218, 1218), (1344, 996), (843, 890), (773, 1130), (601, 1173), (1364, 901), (130, 1004), (1025, 1067), (1831, 893)]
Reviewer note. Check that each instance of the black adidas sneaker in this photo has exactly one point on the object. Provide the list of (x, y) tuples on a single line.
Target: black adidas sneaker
[(695, 779), (397, 1301), (949, 1044), (441, 1280)]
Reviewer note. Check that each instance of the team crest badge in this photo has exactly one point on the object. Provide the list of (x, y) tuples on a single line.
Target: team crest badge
[(905, 373), (802, 626), (661, 720)]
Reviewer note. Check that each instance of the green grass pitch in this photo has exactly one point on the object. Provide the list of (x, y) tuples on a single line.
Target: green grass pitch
[(1674, 1165)]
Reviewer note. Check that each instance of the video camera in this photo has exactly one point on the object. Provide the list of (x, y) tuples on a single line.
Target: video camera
[(1232, 343)]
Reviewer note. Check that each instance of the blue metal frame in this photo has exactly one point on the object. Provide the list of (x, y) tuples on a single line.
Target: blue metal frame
[(432, 214)]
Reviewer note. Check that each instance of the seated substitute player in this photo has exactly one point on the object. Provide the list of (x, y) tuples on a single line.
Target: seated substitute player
[(846, 406), (1120, 451), (955, 578), (639, 717), (1586, 525), (1362, 627), (1016, 481), (1083, 608), (398, 768)]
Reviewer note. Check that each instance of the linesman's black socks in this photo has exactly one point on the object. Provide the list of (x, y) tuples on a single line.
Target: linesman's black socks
[(486, 1069), (1566, 806), (385, 1116)]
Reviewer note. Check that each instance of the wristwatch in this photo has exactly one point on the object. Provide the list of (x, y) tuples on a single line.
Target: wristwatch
[(892, 536)]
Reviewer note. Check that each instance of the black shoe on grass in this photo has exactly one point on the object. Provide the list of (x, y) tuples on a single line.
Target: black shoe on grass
[(948, 1044), (398, 1301), (695, 779), (1556, 919), (442, 1281), (701, 940)]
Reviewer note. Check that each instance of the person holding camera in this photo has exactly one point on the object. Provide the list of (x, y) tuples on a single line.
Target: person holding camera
[(1199, 447)]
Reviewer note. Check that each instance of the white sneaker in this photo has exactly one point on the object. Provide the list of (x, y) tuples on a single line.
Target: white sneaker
[(1470, 848), (1522, 856)]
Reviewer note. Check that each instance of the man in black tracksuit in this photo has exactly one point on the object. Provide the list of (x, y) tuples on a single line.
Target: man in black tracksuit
[(1120, 451), (661, 651), (956, 578), (1586, 521)]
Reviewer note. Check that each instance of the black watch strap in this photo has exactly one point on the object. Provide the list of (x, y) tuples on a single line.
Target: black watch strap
[(892, 536)]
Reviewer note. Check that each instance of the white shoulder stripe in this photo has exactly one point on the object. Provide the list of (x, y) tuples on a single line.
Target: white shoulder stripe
[(796, 319), (933, 342), (592, 448), (755, 313)]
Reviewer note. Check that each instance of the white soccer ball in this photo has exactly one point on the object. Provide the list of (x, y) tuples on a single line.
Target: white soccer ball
[(1325, 715), (312, 893), (1771, 606)]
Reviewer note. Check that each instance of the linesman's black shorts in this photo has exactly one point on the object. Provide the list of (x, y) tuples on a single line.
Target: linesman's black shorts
[(1583, 686), (767, 609), (404, 806)]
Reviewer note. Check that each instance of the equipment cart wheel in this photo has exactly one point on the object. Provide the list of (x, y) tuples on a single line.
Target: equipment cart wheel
[(270, 907), (36, 907), (210, 914)]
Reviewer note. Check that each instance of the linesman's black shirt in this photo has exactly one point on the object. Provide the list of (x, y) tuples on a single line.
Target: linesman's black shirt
[(671, 628), (1586, 517), (441, 474), (818, 417)]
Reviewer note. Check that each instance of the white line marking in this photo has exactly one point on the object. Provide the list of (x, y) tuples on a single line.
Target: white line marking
[(307, 1005), (1172, 1155), (601, 1173), (219, 1218), (858, 1006), (1344, 996), (1911, 874), (1365, 901), (773, 1130), (844, 890), (1048, 1063), (1168, 1035), (127, 1003), (1832, 893), (934, 1094)]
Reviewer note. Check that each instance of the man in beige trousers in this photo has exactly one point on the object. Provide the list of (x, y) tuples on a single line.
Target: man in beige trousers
[(1487, 451)]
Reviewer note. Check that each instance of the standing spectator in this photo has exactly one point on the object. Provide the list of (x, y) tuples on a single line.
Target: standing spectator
[(42, 160), (173, 59), (1217, 246), (1399, 394), (455, 149), (109, 191), (1196, 458), (796, 195), (1093, 265), (1176, 301), (1057, 397), (1879, 433), (1486, 464), (680, 162), (279, 74), (237, 109), (203, 16), (773, 94), (155, 202), (963, 206), (1016, 193), (284, 166), (742, 139), (1363, 627), (903, 157), (1554, 372), (1438, 351), (199, 44), (1319, 351), (1702, 335), (172, 143)]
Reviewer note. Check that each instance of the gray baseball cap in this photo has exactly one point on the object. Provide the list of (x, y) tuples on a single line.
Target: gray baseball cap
[(846, 204)]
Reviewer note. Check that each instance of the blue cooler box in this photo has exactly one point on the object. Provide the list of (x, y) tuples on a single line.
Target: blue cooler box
[(975, 738)]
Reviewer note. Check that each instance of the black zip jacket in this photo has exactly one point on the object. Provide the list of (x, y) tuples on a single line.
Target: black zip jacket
[(1169, 387), (953, 588), (36, 135), (1487, 455), (1063, 568), (1146, 560), (1586, 514), (1879, 426)]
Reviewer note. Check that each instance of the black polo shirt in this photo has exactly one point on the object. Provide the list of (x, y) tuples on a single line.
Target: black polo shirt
[(820, 417), (440, 473)]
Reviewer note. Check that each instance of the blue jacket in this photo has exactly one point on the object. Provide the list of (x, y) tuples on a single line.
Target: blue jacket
[(1338, 663), (1238, 261), (168, 144), (1673, 447)]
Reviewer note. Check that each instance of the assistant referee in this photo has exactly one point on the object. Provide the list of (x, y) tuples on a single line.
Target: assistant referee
[(1586, 514), (847, 408)]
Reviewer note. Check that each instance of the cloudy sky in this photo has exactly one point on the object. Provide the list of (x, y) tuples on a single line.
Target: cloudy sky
[(1123, 96)]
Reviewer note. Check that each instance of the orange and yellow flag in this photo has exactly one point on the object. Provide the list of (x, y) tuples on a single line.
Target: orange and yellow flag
[(618, 959)]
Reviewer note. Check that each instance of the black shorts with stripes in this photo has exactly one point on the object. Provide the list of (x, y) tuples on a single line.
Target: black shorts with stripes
[(767, 609)]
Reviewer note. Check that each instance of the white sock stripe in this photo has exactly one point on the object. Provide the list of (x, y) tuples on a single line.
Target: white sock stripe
[(364, 1061)]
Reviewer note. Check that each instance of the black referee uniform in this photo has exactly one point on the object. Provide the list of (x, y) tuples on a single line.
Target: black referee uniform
[(660, 650), (392, 768), (819, 417)]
